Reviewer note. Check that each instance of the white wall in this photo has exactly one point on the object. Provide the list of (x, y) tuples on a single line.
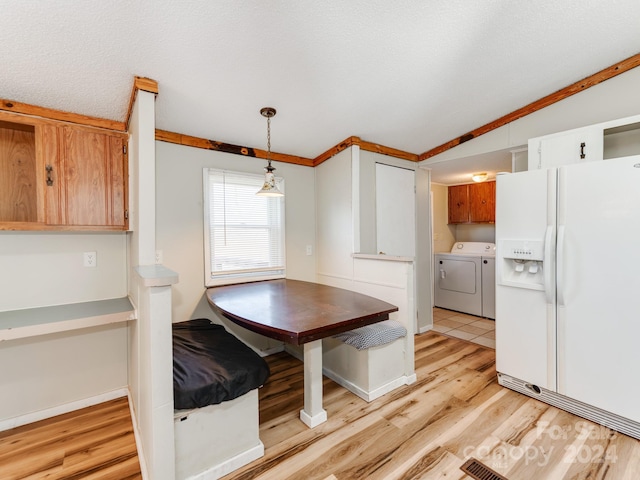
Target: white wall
[(43, 269), (443, 234), (335, 221), (179, 224), (345, 205)]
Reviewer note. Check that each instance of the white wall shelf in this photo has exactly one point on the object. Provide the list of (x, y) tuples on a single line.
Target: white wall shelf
[(61, 318)]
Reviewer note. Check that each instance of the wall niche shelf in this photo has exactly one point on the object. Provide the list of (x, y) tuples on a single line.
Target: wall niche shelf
[(32, 322)]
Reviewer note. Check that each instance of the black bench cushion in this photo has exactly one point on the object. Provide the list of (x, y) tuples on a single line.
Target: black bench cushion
[(211, 366)]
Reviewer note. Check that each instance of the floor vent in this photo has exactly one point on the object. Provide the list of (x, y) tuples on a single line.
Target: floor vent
[(479, 471)]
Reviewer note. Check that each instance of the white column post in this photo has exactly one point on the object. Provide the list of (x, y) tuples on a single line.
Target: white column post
[(313, 413)]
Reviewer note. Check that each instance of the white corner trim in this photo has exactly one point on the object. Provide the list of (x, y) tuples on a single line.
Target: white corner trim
[(136, 434)]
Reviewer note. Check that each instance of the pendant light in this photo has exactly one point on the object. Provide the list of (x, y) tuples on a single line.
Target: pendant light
[(269, 189)]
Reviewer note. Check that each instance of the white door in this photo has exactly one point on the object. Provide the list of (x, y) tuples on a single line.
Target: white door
[(525, 313), (395, 211), (599, 284)]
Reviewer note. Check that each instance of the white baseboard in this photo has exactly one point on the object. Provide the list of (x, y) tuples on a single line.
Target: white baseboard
[(31, 417), (424, 329), (270, 351), (367, 396), (373, 394), (230, 465)]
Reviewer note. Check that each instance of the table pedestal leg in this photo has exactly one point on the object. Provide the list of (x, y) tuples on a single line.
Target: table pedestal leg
[(313, 413)]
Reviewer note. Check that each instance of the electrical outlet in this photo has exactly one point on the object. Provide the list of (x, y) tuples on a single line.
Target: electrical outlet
[(158, 257), (90, 259), (309, 250)]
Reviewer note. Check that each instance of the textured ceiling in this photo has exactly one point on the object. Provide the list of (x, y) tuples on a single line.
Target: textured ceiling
[(408, 74)]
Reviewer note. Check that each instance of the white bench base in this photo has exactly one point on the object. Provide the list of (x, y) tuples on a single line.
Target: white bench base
[(367, 373), (213, 441)]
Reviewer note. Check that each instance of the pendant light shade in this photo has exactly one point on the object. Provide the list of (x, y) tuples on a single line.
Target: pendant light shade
[(269, 189)]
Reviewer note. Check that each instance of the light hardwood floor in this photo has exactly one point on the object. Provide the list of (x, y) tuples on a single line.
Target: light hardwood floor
[(93, 443), (456, 409)]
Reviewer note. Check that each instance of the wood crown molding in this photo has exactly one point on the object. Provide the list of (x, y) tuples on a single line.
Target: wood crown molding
[(577, 87), (149, 85), (367, 146), (139, 83), (59, 115), (197, 142), (550, 99)]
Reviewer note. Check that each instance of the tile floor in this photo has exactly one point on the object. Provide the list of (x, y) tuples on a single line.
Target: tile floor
[(467, 327)]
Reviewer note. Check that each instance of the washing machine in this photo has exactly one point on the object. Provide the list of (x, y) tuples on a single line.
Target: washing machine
[(465, 278)]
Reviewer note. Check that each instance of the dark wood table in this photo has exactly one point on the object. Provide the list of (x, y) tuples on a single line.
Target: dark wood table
[(300, 313)]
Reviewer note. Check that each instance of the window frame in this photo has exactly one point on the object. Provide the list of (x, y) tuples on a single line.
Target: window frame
[(212, 279)]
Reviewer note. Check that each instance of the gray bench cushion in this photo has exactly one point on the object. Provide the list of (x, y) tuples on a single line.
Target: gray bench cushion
[(373, 335)]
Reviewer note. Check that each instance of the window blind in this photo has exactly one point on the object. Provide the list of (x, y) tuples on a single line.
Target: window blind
[(245, 231)]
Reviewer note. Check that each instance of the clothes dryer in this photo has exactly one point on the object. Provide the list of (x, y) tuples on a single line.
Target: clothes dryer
[(459, 278)]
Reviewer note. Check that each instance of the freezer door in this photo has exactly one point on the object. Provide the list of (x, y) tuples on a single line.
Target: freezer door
[(525, 317), (599, 284)]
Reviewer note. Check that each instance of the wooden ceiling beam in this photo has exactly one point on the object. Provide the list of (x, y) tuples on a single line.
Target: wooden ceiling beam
[(577, 87)]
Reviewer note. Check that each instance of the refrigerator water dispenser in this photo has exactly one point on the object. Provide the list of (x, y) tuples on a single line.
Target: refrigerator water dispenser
[(522, 263)]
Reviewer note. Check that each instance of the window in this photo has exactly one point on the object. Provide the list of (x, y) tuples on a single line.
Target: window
[(243, 232)]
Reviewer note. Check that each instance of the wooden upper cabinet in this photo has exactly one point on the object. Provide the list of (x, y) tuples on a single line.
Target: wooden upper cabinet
[(459, 204), (19, 196), (482, 201), (56, 176), (90, 189), (473, 203)]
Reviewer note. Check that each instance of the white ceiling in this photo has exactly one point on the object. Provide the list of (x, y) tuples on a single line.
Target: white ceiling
[(408, 74)]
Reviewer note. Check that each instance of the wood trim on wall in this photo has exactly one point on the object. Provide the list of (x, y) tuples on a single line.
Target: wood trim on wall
[(323, 157), (149, 85), (197, 142), (59, 115), (139, 83), (367, 146), (550, 99)]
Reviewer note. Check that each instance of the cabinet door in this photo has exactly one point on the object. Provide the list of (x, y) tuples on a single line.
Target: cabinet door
[(575, 146), (482, 202), (18, 173), (459, 204), (93, 179)]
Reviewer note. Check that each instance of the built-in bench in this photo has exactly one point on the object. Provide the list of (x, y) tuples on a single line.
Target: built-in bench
[(369, 361), (215, 380)]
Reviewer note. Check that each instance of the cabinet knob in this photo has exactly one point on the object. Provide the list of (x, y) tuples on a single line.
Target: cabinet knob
[(484, 201), (49, 170)]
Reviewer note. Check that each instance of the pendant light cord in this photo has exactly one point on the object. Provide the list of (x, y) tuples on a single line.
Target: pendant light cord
[(269, 140)]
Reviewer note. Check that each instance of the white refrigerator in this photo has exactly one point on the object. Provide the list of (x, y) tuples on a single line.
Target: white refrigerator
[(568, 288)]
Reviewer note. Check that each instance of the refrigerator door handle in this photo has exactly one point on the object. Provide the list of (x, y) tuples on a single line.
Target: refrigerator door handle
[(546, 268), (560, 265)]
